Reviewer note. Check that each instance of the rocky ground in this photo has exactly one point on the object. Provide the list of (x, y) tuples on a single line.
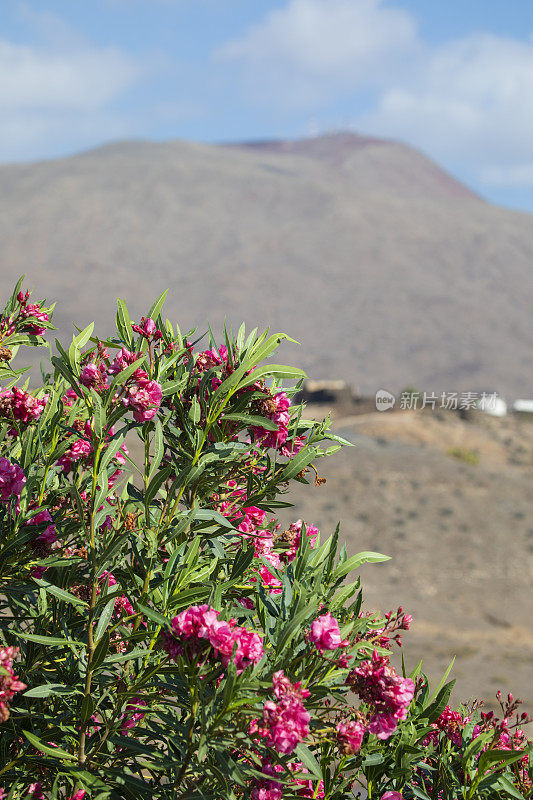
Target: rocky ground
[(450, 501)]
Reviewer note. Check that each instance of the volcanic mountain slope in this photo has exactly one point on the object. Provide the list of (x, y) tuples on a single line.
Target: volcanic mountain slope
[(386, 269)]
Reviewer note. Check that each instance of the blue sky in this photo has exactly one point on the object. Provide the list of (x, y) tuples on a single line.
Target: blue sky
[(452, 77)]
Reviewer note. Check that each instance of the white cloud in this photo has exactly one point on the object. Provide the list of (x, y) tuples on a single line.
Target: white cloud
[(313, 47), (472, 100), (58, 91), (85, 79), (468, 101)]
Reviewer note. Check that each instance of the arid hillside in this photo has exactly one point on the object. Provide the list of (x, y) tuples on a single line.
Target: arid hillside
[(450, 501), (385, 268)]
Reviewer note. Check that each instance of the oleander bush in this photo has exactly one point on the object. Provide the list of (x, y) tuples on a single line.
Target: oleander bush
[(162, 635)]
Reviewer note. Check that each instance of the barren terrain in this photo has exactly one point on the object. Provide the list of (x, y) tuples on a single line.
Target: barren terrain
[(460, 536)]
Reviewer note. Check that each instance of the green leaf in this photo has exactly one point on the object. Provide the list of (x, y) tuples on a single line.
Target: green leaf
[(356, 561), (156, 483), (156, 307), (490, 757), (242, 561), (57, 752), (442, 680), (87, 708), (49, 641), (104, 620), (61, 594), (309, 761), (159, 449), (152, 614), (124, 323), (208, 514), (195, 411), (46, 689), (251, 419), (505, 784), (298, 463), (100, 651), (293, 625), (78, 342), (274, 371), (435, 709)]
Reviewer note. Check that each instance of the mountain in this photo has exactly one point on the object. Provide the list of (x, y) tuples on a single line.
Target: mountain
[(386, 269)]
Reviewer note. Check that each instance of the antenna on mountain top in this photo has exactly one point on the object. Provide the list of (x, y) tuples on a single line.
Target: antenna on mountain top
[(313, 128)]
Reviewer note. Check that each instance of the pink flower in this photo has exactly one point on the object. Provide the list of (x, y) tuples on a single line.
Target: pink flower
[(33, 310), (378, 684), (350, 735), (16, 404), (143, 396), (43, 541), (276, 409), (12, 480), (79, 795), (148, 329), (90, 376), (123, 359), (292, 538), (36, 791), (9, 682), (80, 449), (69, 398), (268, 788), (132, 715), (272, 583), (291, 448), (306, 787), (325, 633), (199, 628), (392, 796), (211, 358), (286, 723)]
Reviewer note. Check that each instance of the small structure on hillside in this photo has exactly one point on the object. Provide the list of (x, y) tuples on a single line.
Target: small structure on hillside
[(327, 392), (491, 403), (524, 407)]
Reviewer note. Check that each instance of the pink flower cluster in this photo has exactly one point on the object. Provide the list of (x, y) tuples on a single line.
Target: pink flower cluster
[(325, 633), (82, 449), (378, 684), (12, 480), (9, 683), (293, 535), (20, 406), (275, 408), (34, 311), (198, 630), (44, 540), (122, 360), (94, 376), (285, 723), (122, 604), (148, 329), (143, 396), (269, 788), (211, 358), (35, 792), (132, 714), (451, 723), (350, 735)]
